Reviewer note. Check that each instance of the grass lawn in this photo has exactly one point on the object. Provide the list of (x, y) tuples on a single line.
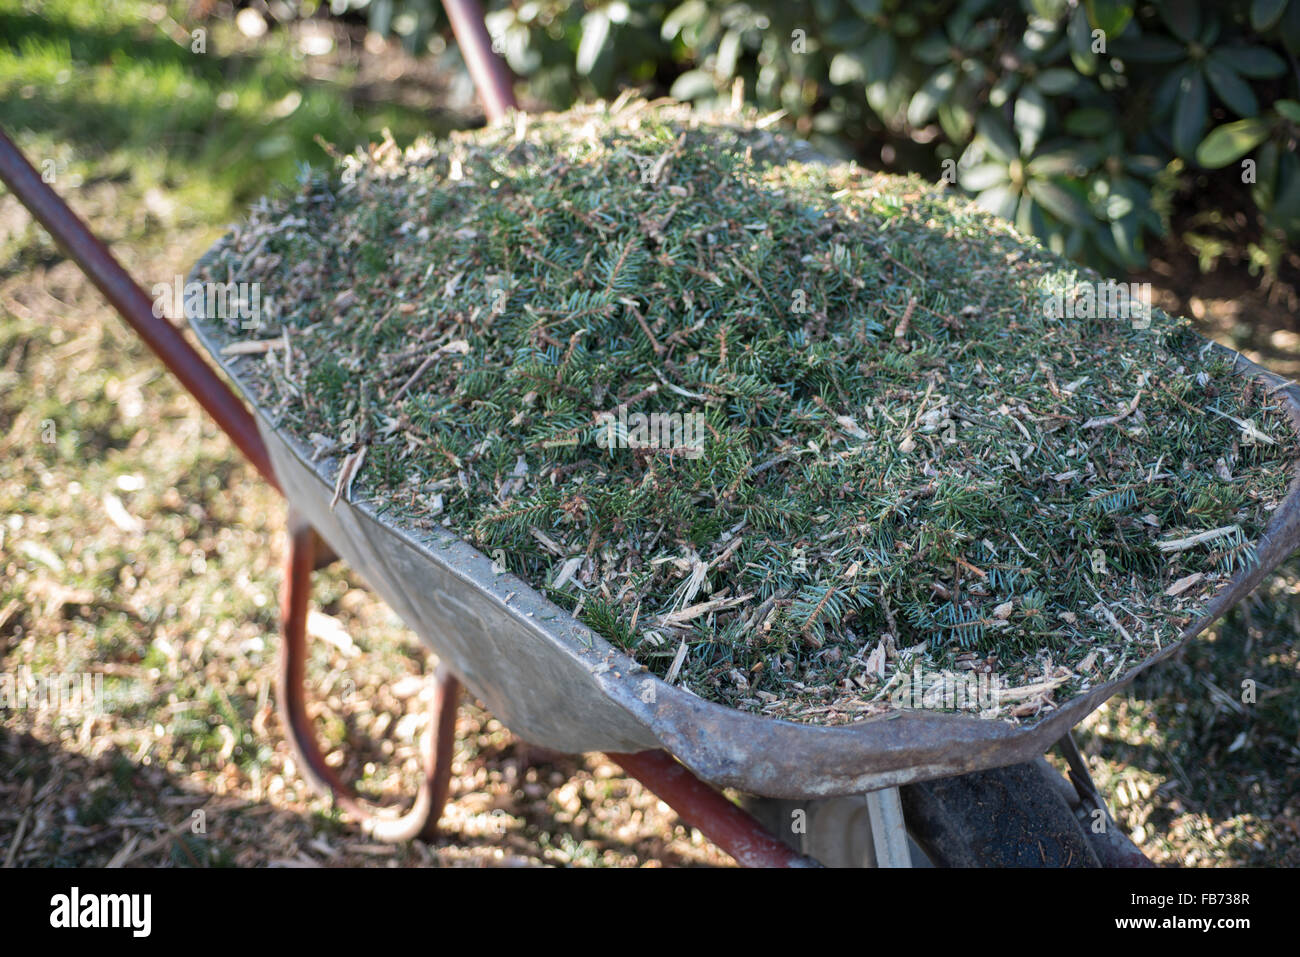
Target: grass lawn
[(136, 544)]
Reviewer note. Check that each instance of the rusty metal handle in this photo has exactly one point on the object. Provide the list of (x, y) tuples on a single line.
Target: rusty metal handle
[(722, 821), (486, 69), (421, 820)]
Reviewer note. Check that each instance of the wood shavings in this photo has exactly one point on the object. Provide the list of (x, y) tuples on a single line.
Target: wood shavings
[(347, 473), (251, 347), (703, 608), (1200, 538), (1100, 422), (1185, 583)]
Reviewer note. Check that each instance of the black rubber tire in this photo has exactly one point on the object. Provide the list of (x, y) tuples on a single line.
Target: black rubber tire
[(1016, 816), (1006, 817)]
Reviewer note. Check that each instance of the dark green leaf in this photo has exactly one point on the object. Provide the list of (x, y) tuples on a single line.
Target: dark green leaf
[(1286, 207), (1126, 233), (1002, 90), (1079, 33), (1265, 187), (1135, 192), (849, 32), (1254, 62), (934, 49), (1289, 109), (1183, 17), (381, 16), (1146, 166), (1025, 218), (997, 137), (1290, 29), (881, 56), (1060, 202), (1231, 88), (1278, 191), (956, 119), (1149, 49), (1056, 81), (1264, 14), (1191, 112), (957, 24), (979, 36), (1051, 10), (867, 9), (1162, 104), (1089, 121)]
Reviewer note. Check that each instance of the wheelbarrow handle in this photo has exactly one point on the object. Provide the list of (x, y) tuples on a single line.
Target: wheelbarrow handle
[(486, 69), (131, 303)]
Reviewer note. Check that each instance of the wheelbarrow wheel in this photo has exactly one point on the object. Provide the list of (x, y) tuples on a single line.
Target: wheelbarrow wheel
[(1016, 816)]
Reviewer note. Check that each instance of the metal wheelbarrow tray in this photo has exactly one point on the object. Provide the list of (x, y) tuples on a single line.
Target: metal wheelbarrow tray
[(560, 685)]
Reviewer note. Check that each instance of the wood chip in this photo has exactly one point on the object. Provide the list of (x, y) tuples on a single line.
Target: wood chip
[(249, 347), (331, 631), (1105, 420), (703, 608), (567, 571), (343, 485), (1200, 538), (1184, 583), (678, 660)]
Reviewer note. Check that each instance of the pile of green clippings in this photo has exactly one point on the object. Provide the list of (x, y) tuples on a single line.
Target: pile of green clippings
[(791, 434)]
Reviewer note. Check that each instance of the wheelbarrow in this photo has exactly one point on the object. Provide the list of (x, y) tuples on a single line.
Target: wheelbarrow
[(902, 788)]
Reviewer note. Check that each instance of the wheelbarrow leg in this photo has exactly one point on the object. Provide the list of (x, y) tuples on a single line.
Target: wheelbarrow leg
[(888, 832), (422, 819)]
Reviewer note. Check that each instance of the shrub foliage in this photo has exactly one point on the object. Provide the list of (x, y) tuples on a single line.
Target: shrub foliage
[(1074, 120)]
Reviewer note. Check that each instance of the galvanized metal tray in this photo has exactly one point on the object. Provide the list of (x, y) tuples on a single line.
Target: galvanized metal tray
[(557, 684)]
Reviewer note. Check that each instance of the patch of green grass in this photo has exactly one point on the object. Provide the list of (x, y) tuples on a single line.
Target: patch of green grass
[(111, 91)]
